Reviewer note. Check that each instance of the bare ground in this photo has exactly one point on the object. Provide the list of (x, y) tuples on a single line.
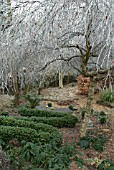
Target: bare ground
[(69, 95), (64, 97)]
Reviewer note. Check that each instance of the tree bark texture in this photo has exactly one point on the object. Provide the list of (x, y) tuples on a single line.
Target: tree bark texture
[(9, 13), (60, 79), (15, 87), (88, 108)]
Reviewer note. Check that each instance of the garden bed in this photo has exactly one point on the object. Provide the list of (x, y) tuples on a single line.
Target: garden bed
[(105, 103), (90, 156), (54, 109)]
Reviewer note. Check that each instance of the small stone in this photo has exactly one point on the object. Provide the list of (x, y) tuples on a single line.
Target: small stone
[(84, 168), (90, 124), (106, 130)]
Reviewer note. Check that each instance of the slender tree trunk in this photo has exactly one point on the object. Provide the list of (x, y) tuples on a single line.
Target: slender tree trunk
[(68, 78), (9, 13), (27, 88), (88, 108), (39, 91), (60, 79), (16, 93), (15, 87), (16, 98)]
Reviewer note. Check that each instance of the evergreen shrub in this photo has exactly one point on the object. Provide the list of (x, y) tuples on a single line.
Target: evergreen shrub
[(66, 121), (23, 111)]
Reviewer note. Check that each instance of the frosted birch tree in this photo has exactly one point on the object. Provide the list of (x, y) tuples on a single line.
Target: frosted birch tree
[(82, 33), (22, 43), (19, 46), (46, 33)]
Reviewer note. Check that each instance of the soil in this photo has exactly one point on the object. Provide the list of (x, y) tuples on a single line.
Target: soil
[(61, 98), (70, 96)]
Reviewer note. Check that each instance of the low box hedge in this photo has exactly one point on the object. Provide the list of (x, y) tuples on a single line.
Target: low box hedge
[(13, 121), (55, 119), (7, 133), (66, 121), (30, 135), (23, 111)]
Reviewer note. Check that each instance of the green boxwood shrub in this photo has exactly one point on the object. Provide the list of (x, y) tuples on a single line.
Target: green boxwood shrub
[(49, 104), (7, 133), (46, 133), (4, 114), (66, 121), (12, 121), (71, 107), (21, 133), (23, 111), (41, 128)]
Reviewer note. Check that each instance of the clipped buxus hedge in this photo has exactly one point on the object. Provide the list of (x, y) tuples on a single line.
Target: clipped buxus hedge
[(13, 121), (23, 111), (7, 133), (55, 119), (66, 121), (34, 132)]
